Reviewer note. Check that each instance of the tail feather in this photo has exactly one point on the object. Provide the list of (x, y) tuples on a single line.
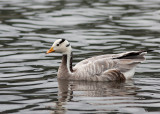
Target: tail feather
[(131, 55), (128, 62)]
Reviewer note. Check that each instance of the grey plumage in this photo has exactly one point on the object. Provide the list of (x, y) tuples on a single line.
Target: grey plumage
[(103, 68), (109, 67)]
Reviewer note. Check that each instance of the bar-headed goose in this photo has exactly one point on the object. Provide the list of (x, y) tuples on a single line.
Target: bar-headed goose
[(109, 67)]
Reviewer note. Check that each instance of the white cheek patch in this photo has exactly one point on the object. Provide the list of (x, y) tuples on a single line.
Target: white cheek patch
[(61, 46)]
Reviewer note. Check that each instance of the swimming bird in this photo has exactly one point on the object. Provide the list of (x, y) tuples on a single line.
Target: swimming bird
[(108, 67)]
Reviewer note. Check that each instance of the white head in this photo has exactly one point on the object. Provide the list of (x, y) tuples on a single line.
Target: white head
[(60, 46)]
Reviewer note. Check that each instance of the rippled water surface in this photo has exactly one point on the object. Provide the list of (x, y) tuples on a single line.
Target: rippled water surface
[(28, 82)]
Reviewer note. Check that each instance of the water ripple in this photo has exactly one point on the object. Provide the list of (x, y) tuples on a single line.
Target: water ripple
[(28, 77)]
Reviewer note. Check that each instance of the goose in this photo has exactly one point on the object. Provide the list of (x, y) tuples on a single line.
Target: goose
[(107, 67)]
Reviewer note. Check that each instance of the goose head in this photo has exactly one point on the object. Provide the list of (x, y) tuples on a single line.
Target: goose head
[(60, 46)]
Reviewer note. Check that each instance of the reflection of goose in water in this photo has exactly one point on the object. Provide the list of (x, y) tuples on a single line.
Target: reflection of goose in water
[(93, 89), (109, 67), (70, 91)]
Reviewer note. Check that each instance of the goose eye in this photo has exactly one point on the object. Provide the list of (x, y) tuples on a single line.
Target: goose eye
[(57, 44)]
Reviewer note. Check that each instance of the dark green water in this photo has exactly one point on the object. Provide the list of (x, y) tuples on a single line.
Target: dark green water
[(28, 83)]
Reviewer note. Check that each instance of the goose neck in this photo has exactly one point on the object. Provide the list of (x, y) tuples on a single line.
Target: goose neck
[(67, 61)]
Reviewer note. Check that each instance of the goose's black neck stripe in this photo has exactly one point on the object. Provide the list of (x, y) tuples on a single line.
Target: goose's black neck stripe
[(65, 57), (71, 60)]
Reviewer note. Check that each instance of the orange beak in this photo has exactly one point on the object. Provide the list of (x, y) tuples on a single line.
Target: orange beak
[(50, 50)]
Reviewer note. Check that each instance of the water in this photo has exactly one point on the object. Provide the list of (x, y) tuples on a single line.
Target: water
[(28, 83)]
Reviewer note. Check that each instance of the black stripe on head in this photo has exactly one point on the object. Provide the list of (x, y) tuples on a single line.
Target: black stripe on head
[(68, 45), (62, 41)]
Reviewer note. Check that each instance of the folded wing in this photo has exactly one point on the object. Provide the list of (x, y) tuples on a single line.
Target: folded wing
[(100, 66)]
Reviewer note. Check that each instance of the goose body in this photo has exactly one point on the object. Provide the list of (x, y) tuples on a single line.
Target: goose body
[(109, 67)]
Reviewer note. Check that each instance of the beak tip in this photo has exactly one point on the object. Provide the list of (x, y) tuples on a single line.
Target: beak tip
[(50, 50), (47, 52)]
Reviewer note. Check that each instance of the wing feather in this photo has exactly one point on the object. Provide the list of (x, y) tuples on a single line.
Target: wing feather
[(117, 63)]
